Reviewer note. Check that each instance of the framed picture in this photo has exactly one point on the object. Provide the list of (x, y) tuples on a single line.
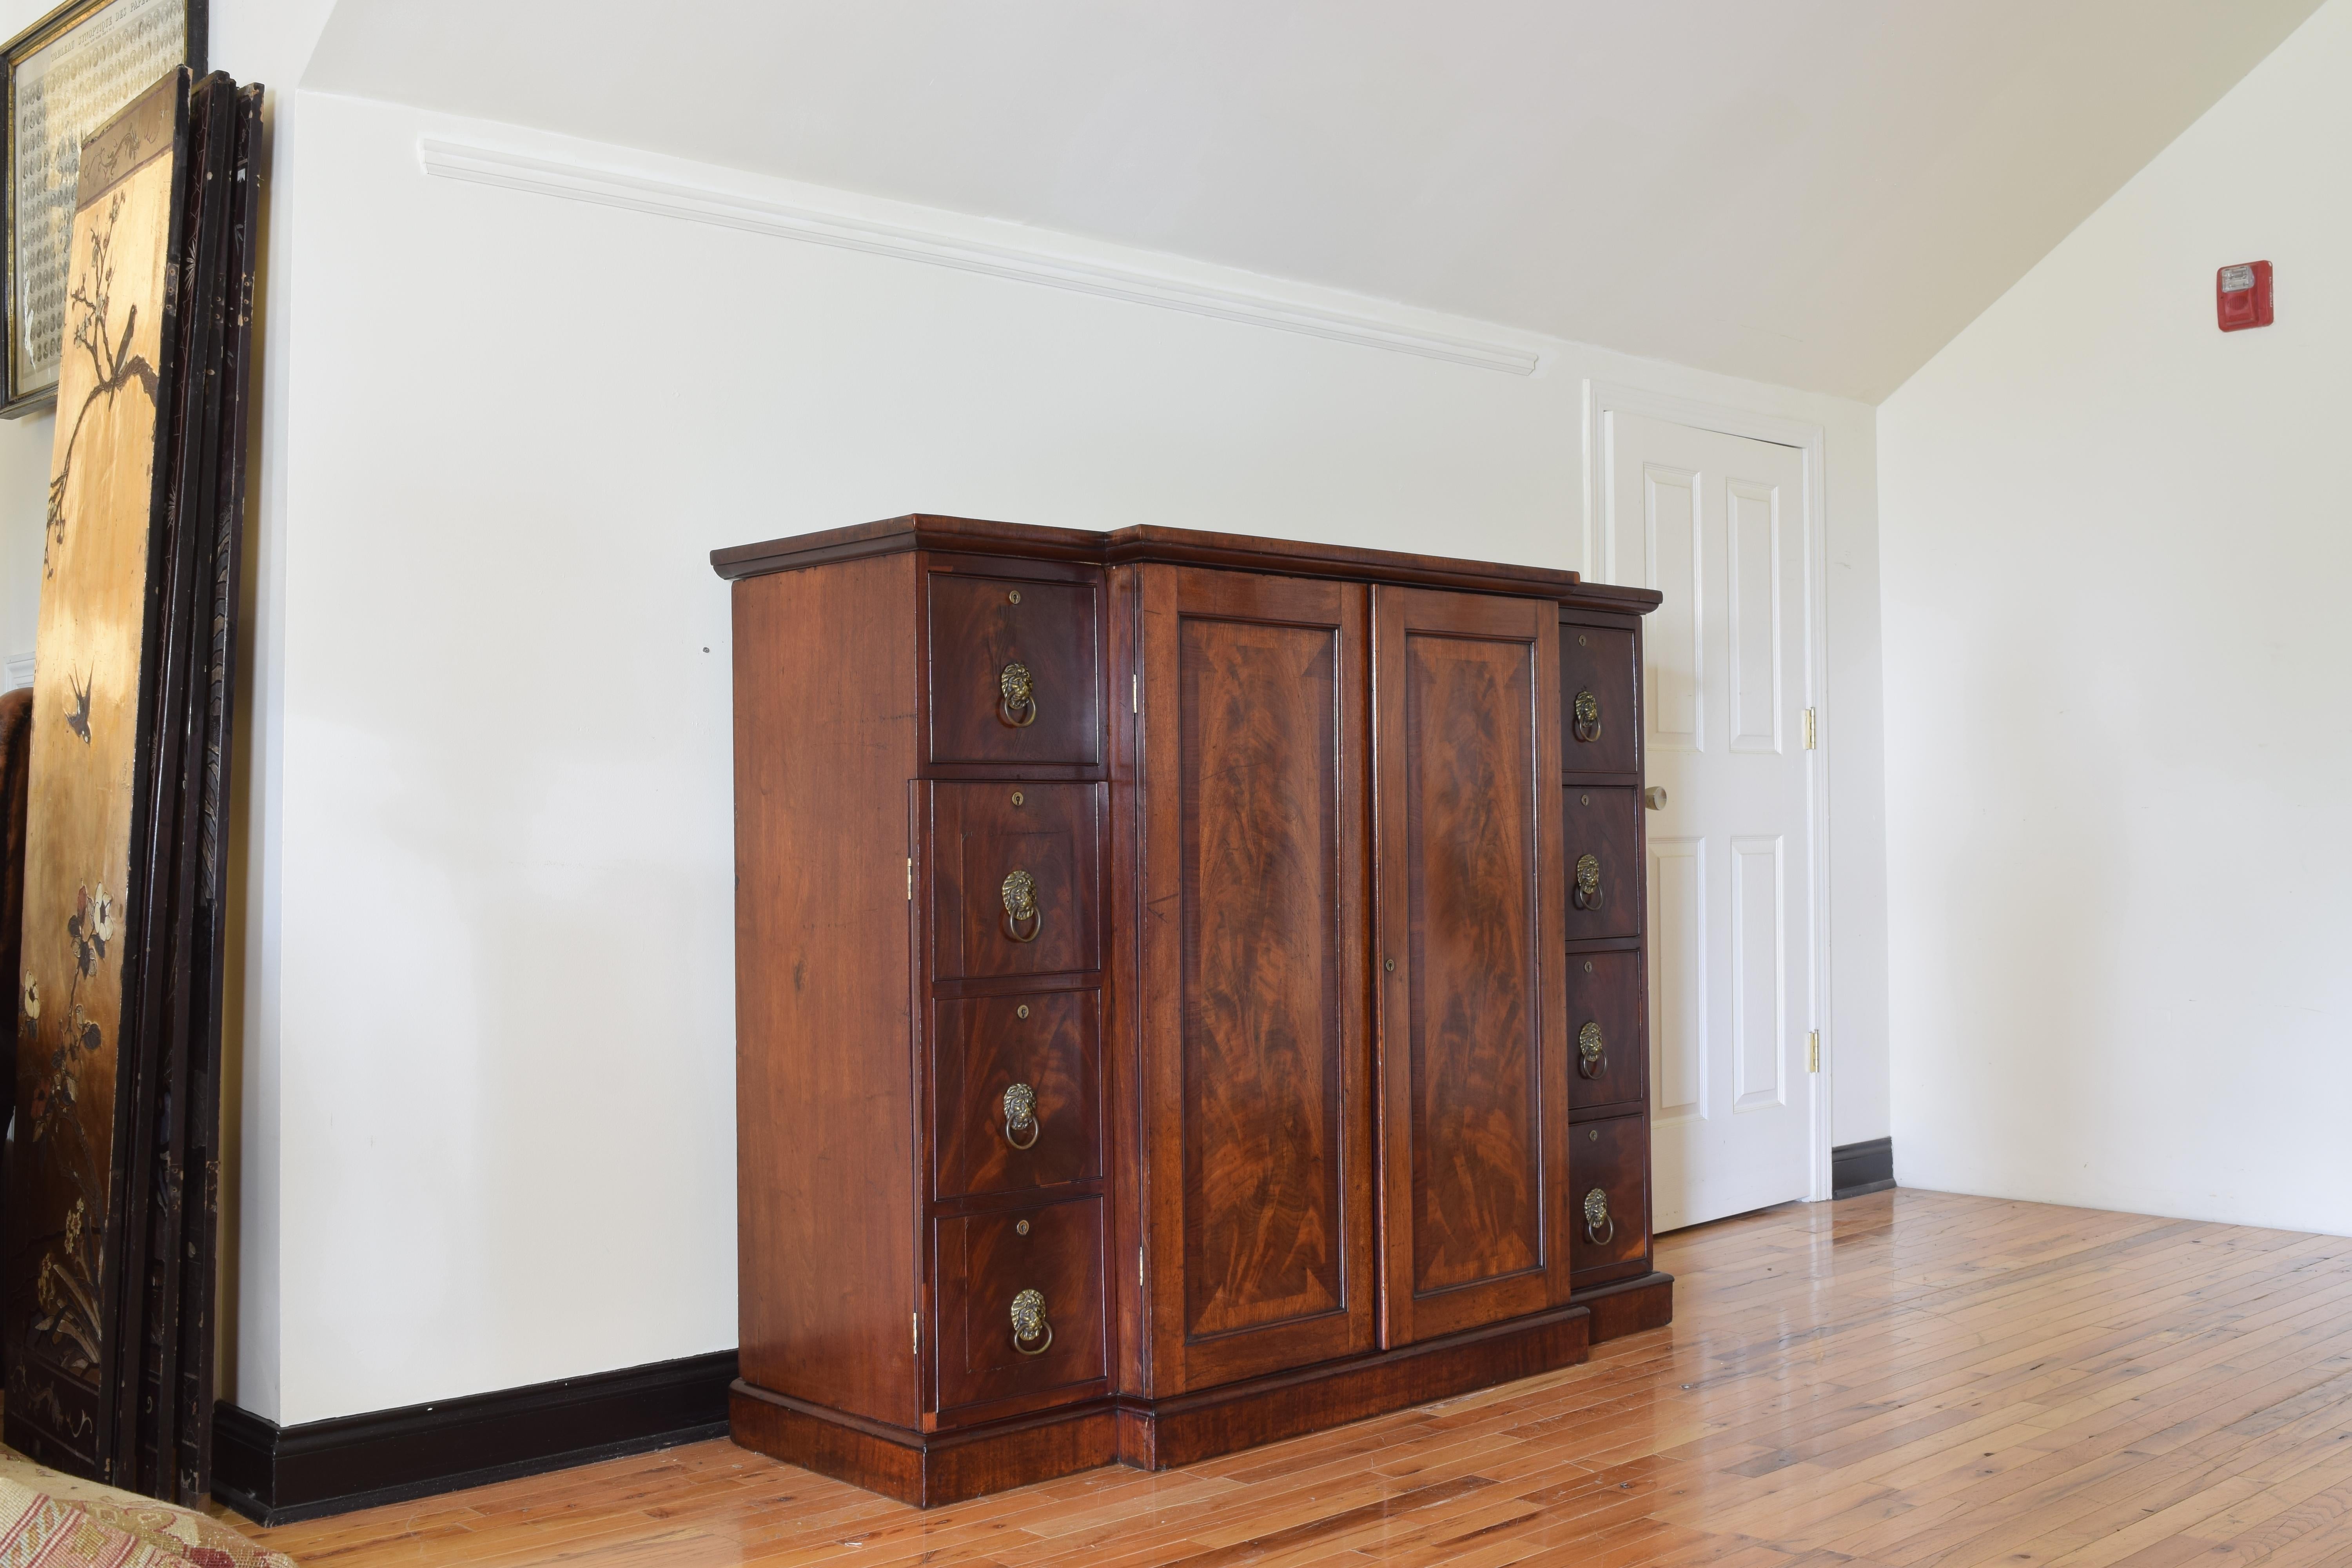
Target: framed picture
[(68, 74)]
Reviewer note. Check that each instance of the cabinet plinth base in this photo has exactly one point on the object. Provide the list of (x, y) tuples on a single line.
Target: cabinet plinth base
[(1629, 1306), (929, 1469), (926, 1468)]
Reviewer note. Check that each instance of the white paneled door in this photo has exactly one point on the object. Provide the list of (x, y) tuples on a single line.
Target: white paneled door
[(1717, 525)]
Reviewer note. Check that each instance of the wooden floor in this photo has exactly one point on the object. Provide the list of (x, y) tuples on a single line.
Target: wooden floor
[(1903, 1379)]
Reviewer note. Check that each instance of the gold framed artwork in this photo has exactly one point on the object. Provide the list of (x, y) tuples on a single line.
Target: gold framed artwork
[(66, 75)]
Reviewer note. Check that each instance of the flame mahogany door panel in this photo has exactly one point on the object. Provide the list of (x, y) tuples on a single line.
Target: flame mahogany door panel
[(1253, 715), (1470, 982)]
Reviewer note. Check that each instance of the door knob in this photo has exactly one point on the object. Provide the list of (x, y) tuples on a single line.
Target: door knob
[(1655, 798)]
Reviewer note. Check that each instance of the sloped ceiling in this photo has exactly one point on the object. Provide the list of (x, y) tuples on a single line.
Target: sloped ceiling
[(1819, 193)]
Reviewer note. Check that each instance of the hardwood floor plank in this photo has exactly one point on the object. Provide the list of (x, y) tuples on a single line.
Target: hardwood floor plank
[(1906, 1380)]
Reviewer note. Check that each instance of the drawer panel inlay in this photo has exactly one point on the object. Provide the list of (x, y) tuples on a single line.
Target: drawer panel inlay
[(1014, 884), (1014, 1097), (1016, 674), (1599, 730), (1020, 1302), (1604, 1021), (1608, 1196), (1603, 845)]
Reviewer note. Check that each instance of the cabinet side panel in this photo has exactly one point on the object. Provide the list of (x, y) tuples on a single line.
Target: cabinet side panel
[(824, 745)]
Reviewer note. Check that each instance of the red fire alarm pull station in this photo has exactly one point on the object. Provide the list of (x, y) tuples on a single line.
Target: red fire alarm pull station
[(2241, 296)]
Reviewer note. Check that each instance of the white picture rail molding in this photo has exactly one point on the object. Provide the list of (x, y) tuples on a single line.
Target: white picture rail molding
[(669, 198)]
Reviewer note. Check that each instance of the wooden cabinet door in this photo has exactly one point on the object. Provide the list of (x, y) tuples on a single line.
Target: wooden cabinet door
[(1471, 1010), (1252, 719)]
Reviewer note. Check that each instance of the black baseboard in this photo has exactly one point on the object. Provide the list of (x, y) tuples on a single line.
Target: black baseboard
[(1859, 1168), (278, 1475)]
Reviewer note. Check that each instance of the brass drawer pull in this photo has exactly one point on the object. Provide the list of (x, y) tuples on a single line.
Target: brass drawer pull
[(1596, 1214), (1587, 893), (1590, 1052), (1016, 702), (1029, 1322), (1021, 1116), (1020, 894), (1586, 717)]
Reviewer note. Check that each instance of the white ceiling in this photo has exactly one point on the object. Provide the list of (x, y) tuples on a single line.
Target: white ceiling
[(1819, 193)]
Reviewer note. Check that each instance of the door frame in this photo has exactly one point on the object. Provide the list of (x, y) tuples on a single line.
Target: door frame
[(1604, 398)]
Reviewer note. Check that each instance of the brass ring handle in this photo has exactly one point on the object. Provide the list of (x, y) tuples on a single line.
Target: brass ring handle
[(1021, 1116), (1016, 699), (1590, 1052), (1584, 717), (1029, 1322), (1596, 1214), (1020, 895), (1586, 895)]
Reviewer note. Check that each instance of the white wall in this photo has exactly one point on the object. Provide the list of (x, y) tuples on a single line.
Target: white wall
[(2117, 543), (500, 1027), (23, 480), (481, 1018)]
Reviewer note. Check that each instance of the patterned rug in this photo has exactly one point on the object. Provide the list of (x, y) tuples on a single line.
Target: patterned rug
[(48, 1519)]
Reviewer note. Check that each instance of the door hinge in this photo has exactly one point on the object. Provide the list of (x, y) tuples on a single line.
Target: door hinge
[(918, 1321), (1135, 693), (1138, 1266), (1812, 730), (1813, 1050), (910, 879)]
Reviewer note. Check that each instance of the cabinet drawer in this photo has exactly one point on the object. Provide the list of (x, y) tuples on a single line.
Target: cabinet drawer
[(1014, 878), (1607, 1056), (1599, 727), (987, 1265), (1016, 674), (1044, 1046), (1609, 1198), (1604, 845)]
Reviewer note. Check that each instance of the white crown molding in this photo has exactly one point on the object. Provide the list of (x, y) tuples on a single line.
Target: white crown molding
[(18, 672), (668, 198)]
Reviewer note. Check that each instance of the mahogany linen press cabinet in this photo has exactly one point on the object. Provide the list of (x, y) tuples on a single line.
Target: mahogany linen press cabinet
[(1188, 992)]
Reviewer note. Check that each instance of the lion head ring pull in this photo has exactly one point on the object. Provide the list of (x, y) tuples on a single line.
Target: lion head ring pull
[(1584, 717), (1596, 1214), (1590, 1051), (1016, 699), (1021, 1117), (1020, 894), (1587, 893), (1031, 1334)]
